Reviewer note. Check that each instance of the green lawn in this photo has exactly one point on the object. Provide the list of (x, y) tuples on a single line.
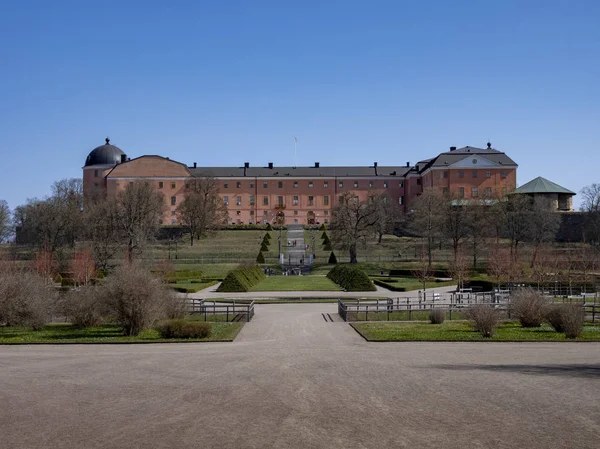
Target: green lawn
[(208, 270), (191, 287), (414, 315), (463, 331), (66, 333), (295, 283)]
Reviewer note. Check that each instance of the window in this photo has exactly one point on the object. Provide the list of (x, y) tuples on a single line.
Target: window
[(280, 200), (226, 200), (173, 200), (160, 185), (326, 212), (173, 185), (418, 181), (173, 222), (295, 184), (130, 183), (474, 173), (251, 200), (488, 174), (265, 184), (325, 184), (238, 200), (503, 175), (295, 201), (173, 212), (401, 200), (474, 192), (445, 175), (295, 212), (401, 183), (266, 212), (187, 185), (295, 221), (385, 184), (238, 184), (237, 212), (355, 200), (251, 184), (310, 184), (280, 184), (370, 184), (355, 184), (385, 200), (251, 212), (461, 174), (488, 192), (96, 173), (265, 200), (326, 200), (341, 184), (311, 200), (461, 192), (225, 185)]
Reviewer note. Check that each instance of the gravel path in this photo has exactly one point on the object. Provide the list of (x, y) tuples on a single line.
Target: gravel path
[(293, 380)]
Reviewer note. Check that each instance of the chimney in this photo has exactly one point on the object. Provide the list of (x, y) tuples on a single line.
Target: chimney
[(489, 145), (417, 167), (123, 158), (246, 164), (452, 148), (316, 165), (375, 167), (271, 165), (408, 164)]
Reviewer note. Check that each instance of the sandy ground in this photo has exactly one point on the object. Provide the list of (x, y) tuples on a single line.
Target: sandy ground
[(291, 379)]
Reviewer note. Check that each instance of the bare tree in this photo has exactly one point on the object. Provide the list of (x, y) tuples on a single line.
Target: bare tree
[(517, 217), (139, 211), (456, 221), (459, 268), (423, 271), (543, 225), (102, 229), (590, 205), (389, 213), (590, 201), (5, 221), (426, 217), (202, 208), (353, 222), (499, 265)]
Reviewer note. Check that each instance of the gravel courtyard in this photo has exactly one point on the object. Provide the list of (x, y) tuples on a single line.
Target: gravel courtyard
[(291, 379)]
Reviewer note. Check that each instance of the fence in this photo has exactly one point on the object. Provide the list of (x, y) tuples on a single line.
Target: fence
[(399, 309), (216, 311)]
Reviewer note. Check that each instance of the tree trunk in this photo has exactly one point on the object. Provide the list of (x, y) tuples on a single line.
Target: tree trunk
[(352, 250), (380, 237), (429, 257), (130, 251), (191, 238)]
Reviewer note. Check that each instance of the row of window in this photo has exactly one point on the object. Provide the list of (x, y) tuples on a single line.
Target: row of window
[(474, 174), (280, 200), (475, 192), (296, 184)]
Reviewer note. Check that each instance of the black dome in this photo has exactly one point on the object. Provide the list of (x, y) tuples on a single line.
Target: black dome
[(106, 154)]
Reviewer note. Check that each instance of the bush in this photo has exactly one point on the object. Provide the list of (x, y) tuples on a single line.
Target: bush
[(66, 282), (242, 279), (135, 298), (485, 319), (26, 299), (264, 248), (84, 306), (529, 307), (184, 329), (267, 238), (260, 258), (322, 227), (389, 284), (176, 307), (351, 278), (324, 236), (572, 320), (437, 316), (269, 227), (554, 316), (332, 259)]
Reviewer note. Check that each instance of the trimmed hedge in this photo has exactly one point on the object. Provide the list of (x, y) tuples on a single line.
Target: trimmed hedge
[(389, 285), (260, 258), (351, 279), (242, 279), (184, 329), (332, 259)]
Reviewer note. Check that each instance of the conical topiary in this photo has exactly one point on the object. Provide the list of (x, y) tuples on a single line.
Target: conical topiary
[(322, 228), (261, 258), (264, 247), (269, 227), (268, 236), (327, 246), (324, 236), (332, 259), (265, 241)]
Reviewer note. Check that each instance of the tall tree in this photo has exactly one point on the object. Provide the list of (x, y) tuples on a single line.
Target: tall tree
[(5, 221), (544, 224), (590, 206), (139, 211), (353, 222), (102, 223), (202, 208), (456, 222), (389, 214), (426, 217), (517, 217)]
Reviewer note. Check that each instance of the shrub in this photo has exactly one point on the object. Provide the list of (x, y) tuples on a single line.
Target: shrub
[(84, 307), (332, 259), (135, 298), (324, 236), (267, 237), (322, 227), (242, 279), (554, 316), (260, 258), (529, 307), (26, 299), (437, 316), (66, 282), (351, 278), (572, 320), (485, 319), (176, 307), (269, 227), (184, 329), (264, 248)]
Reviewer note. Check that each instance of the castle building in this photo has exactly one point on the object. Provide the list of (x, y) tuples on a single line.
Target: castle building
[(304, 195)]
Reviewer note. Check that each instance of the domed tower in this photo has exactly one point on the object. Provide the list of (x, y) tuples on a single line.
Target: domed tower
[(98, 163)]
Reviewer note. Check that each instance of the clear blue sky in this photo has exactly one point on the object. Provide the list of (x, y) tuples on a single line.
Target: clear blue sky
[(225, 82)]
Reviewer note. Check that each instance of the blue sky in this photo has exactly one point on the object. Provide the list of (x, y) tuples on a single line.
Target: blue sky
[(224, 82)]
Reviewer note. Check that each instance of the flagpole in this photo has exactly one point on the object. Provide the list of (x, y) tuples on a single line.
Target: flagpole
[(295, 143)]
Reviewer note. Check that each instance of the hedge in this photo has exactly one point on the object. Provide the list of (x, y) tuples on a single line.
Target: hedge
[(260, 258), (242, 279), (389, 285), (332, 259), (351, 279)]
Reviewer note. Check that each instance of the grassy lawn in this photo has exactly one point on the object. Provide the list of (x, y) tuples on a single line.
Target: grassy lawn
[(295, 283), (208, 270), (66, 333), (414, 315), (190, 286), (463, 331)]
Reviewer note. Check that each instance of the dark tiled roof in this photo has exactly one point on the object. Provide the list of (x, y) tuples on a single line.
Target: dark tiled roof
[(308, 172), (451, 157)]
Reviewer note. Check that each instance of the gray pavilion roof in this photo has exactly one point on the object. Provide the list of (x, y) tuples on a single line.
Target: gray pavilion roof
[(542, 185)]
